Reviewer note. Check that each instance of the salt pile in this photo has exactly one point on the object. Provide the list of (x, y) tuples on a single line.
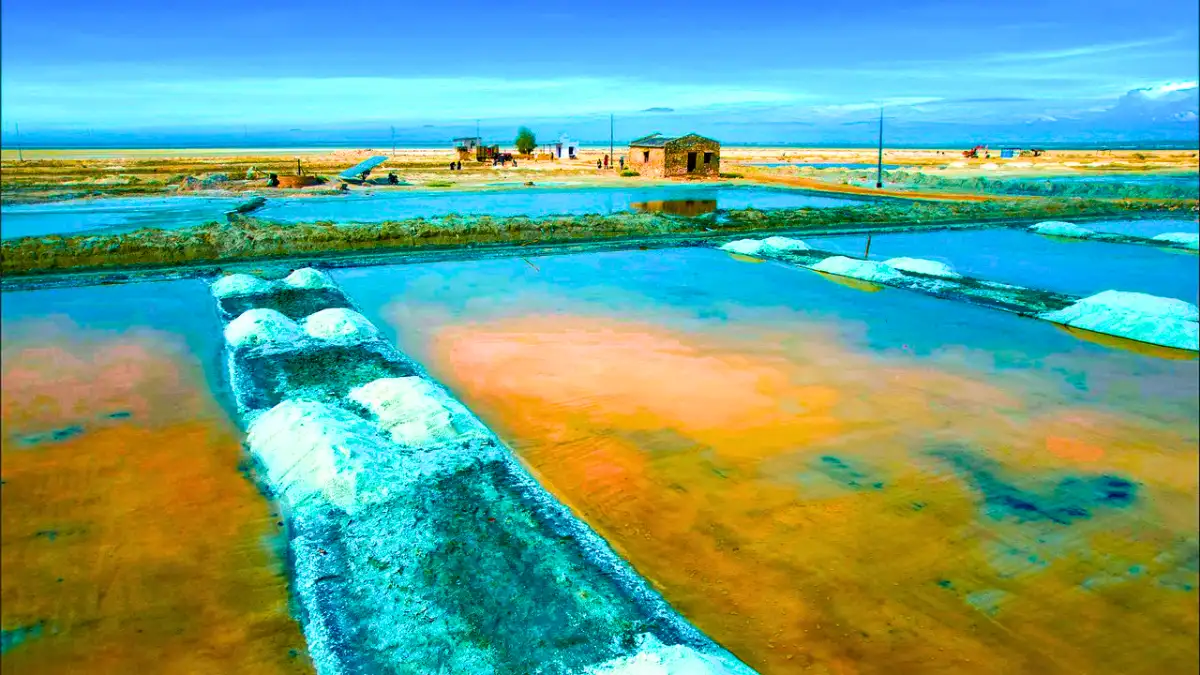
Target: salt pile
[(655, 658), (756, 247), (931, 268), (235, 285), (867, 270), (743, 247), (311, 450), (308, 278), (261, 327), (340, 325), (785, 244), (409, 408), (1058, 228), (1137, 316), (1188, 239)]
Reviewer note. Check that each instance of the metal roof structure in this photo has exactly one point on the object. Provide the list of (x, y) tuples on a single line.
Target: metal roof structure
[(654, 140), (657, 140), (355, 172)]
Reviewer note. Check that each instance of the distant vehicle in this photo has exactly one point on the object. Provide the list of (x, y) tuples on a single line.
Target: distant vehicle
[(974, 152)]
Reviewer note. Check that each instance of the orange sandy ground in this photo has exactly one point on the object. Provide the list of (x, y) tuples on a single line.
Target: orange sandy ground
[(683, 452), (137, 542)]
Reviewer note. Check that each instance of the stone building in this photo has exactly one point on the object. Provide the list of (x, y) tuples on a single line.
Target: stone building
[(663, 156)]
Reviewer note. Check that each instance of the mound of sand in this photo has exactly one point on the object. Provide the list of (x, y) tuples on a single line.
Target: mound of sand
[(867, 270), (235, 285), (1059, 228), (1189, 239), (1137, 316), (261, 327), (310, 450), (340, 325), (931, 268), (409, 408)]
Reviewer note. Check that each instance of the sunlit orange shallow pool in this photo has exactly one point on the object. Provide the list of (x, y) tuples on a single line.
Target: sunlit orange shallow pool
[(829, 480), (131, 541)]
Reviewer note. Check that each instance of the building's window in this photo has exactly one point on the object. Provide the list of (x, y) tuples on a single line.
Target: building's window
[(645, 156), (708, 158)]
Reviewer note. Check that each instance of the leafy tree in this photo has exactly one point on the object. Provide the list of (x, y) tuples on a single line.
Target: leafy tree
[(526, 141)]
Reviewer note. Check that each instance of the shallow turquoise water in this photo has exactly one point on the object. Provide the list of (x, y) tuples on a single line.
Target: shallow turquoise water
[(111, 214), (399, 205), (758, 439), (1032, 260)]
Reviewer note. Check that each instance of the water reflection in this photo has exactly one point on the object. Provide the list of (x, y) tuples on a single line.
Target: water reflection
[(131, 542), (677, 207)]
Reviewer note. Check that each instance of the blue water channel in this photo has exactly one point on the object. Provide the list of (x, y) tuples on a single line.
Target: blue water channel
[(826, 165), (111, 214), (124, 214), (1035, 261), (535, 202)]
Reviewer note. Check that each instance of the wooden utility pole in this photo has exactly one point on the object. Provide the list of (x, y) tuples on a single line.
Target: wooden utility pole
[(20, 155), (612, 161), (879, 169), (393, 140)]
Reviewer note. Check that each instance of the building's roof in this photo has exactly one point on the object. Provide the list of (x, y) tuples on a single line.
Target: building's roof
[(466, 138), (654, 140), (657, 140)]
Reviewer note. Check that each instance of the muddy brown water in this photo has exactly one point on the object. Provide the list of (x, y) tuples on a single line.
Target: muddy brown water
[(829, 480), (131, 540)]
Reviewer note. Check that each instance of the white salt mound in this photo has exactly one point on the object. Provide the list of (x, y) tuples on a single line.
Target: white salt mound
[(1058, 228), (867, 270), (744, 247), (1189, 239), (932, 268), (309, 278), (235, 285), (655, 658), (340, 324), (312, 451), (785, 244), (1137, 316), (409, 408), (261, 327)]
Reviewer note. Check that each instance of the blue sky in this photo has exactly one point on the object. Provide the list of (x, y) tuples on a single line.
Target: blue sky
[(742, 71)]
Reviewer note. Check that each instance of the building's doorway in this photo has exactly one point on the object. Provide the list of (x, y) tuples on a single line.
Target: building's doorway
[(691, 162)]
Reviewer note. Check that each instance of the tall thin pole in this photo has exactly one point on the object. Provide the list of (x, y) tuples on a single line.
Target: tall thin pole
[(20, 156), (612, 161), (879, 169), (393, 141)]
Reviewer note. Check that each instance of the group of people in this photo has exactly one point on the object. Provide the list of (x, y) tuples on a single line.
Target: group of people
[(603, 164), (456, 166)]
